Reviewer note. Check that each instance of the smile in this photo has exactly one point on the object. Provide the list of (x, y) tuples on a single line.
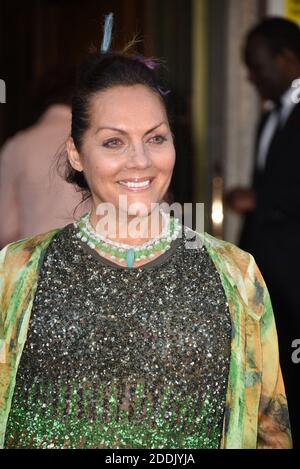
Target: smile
[(137, 186)]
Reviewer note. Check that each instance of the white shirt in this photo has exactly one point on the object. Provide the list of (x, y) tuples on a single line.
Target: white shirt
[(275, 118)]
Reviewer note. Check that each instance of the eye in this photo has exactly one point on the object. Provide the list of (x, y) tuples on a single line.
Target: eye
[(158, 139), (112, 143)]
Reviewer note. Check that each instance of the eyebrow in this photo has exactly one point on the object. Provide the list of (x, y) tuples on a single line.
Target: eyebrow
[(126, 133)]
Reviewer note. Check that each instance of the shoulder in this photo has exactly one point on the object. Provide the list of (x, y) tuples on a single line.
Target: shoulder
[(16, 255), (239, 272), (230, 256), (13, 147), (19, 264), (15, 140)]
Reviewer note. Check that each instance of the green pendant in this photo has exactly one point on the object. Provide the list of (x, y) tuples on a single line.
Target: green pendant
[(87, 235), (130, 258)]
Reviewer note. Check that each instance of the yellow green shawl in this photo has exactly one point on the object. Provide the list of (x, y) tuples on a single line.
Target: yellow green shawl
[(256, 414)]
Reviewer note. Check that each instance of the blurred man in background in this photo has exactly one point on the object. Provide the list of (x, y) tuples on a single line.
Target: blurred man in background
[(271, 230), (33, 196)]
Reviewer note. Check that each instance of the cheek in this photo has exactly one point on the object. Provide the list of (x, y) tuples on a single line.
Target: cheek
[(166, 161), (169, 162), (103, 168)]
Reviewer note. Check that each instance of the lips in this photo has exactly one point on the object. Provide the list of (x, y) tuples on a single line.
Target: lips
[(136, 184)]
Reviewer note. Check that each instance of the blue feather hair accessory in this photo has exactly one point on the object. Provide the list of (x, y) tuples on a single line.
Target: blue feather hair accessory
[(107, 30)]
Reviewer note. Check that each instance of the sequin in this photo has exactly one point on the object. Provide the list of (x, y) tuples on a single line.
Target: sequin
[(123, 357)]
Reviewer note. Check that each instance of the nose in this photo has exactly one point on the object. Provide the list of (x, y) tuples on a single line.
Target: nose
[(138, 156)]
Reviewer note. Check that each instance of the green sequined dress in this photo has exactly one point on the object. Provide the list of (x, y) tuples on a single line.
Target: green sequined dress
[(121, 357)]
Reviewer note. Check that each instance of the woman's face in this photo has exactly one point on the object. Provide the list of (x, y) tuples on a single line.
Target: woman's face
[(128, 149)]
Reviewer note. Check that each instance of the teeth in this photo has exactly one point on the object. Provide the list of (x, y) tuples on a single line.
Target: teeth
[(135, 184)]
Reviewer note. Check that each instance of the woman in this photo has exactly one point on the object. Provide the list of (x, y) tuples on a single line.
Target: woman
[(176, 348)]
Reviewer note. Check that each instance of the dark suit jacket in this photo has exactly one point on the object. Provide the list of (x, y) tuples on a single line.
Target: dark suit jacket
[(271, 233), (277, 188)]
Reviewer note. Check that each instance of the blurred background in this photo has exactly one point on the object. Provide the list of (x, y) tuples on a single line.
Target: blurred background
[(215, 108)]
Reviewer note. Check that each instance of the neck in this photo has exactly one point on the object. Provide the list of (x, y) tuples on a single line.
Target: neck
[(128, 229)]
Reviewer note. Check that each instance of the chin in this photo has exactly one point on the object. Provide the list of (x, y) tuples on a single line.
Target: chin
[(139, 209)]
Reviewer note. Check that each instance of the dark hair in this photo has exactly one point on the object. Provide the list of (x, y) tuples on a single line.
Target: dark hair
[(99, 72), (279, 34)]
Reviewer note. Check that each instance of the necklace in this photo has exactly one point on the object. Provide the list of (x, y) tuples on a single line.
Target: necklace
[(126, 252)]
